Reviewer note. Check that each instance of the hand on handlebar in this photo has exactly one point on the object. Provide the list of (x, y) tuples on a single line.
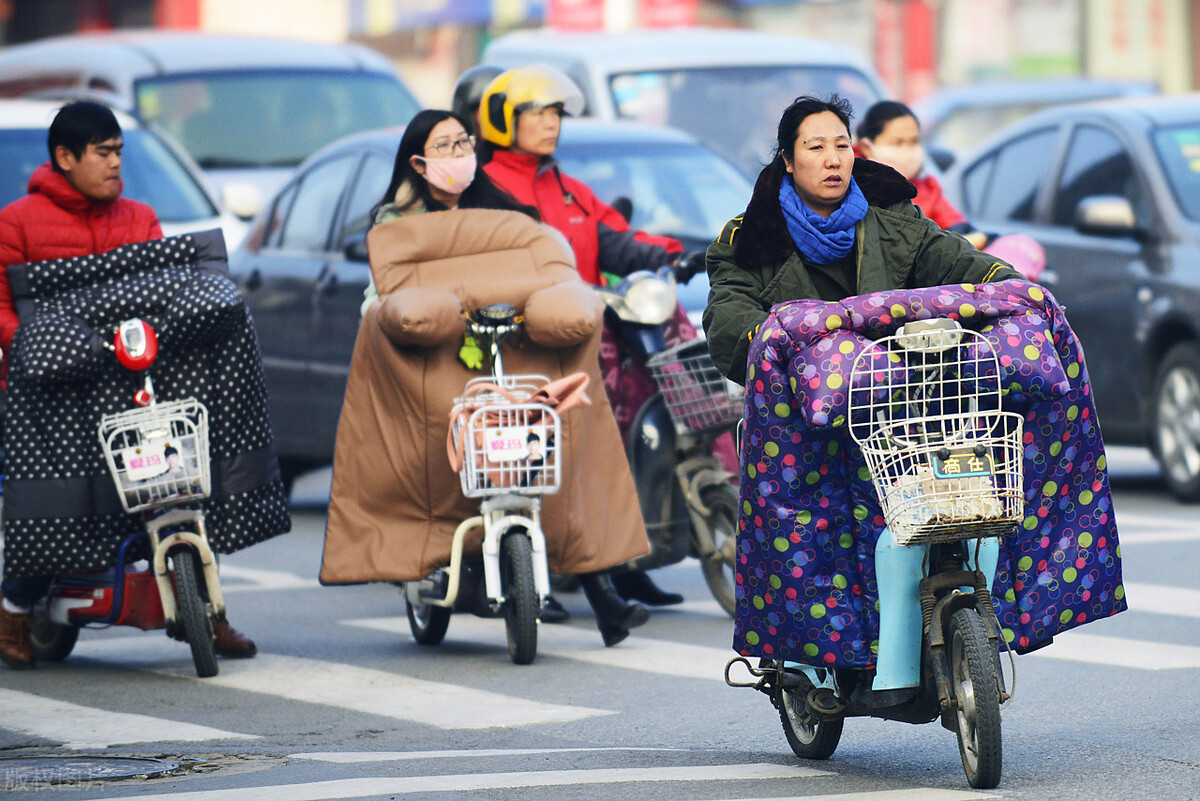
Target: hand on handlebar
[(686, 265)]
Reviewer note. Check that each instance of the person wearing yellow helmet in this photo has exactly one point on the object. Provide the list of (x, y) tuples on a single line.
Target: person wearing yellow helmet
[(520, 118)]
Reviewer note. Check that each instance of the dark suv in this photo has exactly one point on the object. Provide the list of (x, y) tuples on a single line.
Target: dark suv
[(1112, 191)]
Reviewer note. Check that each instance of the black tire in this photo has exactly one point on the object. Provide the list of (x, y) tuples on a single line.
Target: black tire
[(976, 687), (52, 642), (1175, 410), (520, 596), (720, 569), (809, 739), (192, 611), (427, 622)]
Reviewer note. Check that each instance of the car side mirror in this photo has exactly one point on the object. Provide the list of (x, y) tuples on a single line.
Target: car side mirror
[(624, 207), (1106, 215), (355, 247), (943, 158), (242, 199)]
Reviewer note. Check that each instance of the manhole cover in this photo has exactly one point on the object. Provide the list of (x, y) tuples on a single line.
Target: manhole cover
[(29, 772)]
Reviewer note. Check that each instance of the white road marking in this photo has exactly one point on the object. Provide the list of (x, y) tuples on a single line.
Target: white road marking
[(81, 727), (375, 692), (1188, 534), (354, 757), (1162, 600), (572, 642), (264, 579), (1074, 646), (915, 794), (358, 788)]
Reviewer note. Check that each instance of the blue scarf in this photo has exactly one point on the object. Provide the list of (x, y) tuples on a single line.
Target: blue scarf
[(822, 240)]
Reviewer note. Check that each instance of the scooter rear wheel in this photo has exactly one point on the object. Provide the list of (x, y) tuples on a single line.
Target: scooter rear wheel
[(427, 622), (976, 685), (520, 596), (52, 642), (192, 611), (720, 568), (809, 739)]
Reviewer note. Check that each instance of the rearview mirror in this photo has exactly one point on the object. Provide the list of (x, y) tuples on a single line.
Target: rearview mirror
[(355, 247), (1106, 215), (624, 207)]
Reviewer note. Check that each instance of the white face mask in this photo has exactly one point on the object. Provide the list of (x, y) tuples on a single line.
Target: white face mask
[(905, 160)]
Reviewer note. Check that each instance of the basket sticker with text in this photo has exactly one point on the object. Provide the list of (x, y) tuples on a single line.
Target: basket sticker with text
[(963, 463), (514, 443)]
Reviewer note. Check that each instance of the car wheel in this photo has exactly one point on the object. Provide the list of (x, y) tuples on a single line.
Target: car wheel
[(1176, 431)]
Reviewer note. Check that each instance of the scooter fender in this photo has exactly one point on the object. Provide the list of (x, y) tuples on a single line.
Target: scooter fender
[(652, 459)]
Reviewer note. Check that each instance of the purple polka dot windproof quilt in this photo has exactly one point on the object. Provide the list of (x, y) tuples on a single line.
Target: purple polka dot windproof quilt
[(61, 508), (806, 584)]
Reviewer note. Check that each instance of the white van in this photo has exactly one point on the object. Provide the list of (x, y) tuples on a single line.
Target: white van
[(725, 86), (247, 109)]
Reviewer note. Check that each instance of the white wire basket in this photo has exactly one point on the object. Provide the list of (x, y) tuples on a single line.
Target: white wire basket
[(508, 447), (698, 397), (945, 459), (158, 456)]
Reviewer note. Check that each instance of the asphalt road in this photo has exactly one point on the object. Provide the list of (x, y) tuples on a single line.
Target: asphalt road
[(341, 703)]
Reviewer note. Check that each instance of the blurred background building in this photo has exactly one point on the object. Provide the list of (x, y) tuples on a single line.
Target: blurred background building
[(916, 45)]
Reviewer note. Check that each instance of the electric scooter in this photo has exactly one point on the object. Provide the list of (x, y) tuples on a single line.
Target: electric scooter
[(688, 499), (158, 456), (946, 464), (507, 449)]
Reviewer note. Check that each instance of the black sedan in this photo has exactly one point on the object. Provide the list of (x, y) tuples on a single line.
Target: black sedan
[(303, 265), (1112, 191)]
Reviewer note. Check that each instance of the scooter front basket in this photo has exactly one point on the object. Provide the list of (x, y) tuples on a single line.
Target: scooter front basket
[(697, 396), (508, 447), (158, 456)]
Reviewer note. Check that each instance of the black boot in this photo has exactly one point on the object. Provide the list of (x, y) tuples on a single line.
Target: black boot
[(635, 585), (553, 612), (614, 617)]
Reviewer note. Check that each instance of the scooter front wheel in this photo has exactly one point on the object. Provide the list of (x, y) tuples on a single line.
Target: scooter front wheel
[(976, 685), (520, 596), (52, 642), (427, 622), (192, 612), (720, 568), (809, 738)]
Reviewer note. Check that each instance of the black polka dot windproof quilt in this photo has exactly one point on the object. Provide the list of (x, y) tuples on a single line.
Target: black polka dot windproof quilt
[(61, 509)]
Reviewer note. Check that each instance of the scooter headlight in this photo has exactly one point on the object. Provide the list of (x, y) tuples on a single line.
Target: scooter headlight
[(650, 300)]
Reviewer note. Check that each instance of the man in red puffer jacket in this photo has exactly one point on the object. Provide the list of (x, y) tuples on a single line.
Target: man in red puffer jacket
[(74, 208)]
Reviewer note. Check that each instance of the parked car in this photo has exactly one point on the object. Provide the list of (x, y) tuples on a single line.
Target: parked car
[(956, 119), (154, 170), (1112, 192), (248, 109), (727, 87), (303, 266)]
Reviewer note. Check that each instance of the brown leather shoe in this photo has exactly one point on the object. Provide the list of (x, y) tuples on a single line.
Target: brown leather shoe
[(16, 649), (231, 643)]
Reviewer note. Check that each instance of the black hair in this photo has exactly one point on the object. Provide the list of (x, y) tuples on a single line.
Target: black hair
[(79, 124), (483, 193), (879, 115), (170, 450), (801, 109)]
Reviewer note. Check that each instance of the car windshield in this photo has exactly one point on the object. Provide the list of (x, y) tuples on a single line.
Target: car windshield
[(1179, 151), (703, 101), (677, 190), (270, 119), (150, 173)]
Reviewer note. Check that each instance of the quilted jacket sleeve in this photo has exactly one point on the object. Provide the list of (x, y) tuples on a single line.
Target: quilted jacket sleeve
[(735, 307)]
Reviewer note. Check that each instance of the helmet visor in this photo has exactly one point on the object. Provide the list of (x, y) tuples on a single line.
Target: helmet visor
[(540, 86)]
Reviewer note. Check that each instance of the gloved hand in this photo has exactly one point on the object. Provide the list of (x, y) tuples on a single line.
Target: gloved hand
[(686, 265)]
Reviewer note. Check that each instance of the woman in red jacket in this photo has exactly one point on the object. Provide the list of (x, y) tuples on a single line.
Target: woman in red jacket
[(520, 117), (74, 208)]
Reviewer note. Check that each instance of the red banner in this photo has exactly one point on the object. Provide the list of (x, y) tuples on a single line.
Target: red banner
[(575, 15), (667, 13)]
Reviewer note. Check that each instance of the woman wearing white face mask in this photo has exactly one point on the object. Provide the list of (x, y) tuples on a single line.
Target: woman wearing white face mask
[(889, 134)]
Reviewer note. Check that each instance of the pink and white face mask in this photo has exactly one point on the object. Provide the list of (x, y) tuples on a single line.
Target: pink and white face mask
[(904, 159), (452, 176)]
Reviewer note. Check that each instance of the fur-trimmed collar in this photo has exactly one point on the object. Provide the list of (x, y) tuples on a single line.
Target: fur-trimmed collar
[(763, 238)]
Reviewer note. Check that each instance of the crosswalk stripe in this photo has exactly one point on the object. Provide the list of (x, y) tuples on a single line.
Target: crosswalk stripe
[(1075, 646), (376, 692), (572, 642), (354, 757), (358, 788), (915, 794), (81, 727), (263, 579), (1163, 600)]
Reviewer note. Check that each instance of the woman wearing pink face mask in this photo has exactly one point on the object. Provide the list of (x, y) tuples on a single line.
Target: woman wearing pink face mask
[(436, 170), (889, 134)]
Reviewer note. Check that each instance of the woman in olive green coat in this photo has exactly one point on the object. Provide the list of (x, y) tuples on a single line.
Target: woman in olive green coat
[(835, 227)]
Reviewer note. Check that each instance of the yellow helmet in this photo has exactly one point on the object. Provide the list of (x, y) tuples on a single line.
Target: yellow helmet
[(510, 93)]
